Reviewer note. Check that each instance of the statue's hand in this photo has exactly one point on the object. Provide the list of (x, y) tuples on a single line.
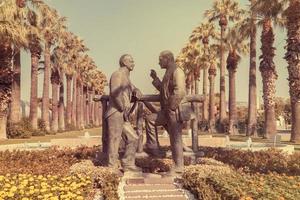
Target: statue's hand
[(153, 74), (137, 93)]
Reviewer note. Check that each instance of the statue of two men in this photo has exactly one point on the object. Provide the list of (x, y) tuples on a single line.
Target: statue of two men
[(172, 92)]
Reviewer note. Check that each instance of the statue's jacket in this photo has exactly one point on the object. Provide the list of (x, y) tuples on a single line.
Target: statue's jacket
[(121, 90)]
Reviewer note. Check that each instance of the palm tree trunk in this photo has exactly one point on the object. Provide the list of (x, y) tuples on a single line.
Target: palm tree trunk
[(232, 103), (292, 56), (33, 115), (269, 75), (74, 101), (252, 104), (6, 79), (61, 105), (193, 85), (15, 104), (212, 118), (92, 114), (96, 112), (78, 106), (54, 121), (69, 100), (84, 106), (45, 98), (222, 81), (205, 103), (82, 102), (88, 103)]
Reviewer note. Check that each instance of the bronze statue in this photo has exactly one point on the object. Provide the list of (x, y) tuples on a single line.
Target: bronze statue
[(172, 93), (121, 94)]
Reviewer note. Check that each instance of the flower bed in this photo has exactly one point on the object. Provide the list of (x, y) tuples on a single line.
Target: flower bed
[(55, 174), (28, 186)]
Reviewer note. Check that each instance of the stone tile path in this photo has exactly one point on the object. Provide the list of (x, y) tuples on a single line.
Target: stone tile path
[(152, 187)]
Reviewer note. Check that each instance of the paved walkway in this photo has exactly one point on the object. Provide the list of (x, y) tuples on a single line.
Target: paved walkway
[(152, 187)]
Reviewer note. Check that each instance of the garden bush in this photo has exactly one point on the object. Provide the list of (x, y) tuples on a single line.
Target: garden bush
[(17, 131), (270, 160), (103, 178), (21, 129), (42, 125), (194, 178), (220, 182), (153, 165)]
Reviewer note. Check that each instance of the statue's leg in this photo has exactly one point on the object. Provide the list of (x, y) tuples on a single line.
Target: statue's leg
[(151, 142), (131, 142), (175, 132), (115, 126), (152, 121)]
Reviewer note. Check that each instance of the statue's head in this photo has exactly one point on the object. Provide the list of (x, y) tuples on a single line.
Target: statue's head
[(166, 59), (126, 60)]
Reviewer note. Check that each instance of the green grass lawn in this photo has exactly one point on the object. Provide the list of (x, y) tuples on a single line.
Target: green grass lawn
[(47, 138)]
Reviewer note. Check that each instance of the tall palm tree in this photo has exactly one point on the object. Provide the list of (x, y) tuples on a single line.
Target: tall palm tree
[(203, 33), (51, 25), (223, 11), (248, 30), (212, 74), (292, 56), (12, 36), (15, 104), (35, 51), (235, 45), (73, 45), (268, 12)]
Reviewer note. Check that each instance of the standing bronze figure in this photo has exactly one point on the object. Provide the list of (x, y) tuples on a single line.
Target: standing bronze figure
[(119, 127), (172, 93)]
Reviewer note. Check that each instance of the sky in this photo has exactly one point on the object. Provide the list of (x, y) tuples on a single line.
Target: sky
[(144, 28)]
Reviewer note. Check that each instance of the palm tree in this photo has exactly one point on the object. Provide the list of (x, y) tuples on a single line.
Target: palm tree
[(13, 36), (51, 25), (223, 11), (203, 33), (268, 12), (35, 50), (212, 74), (292, 56), (248, 29), (74, 45), (15, 104), (235, 45)]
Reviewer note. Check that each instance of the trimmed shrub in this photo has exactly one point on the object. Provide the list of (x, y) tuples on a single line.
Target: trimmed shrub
[(42, 125), (153, 165), (103, 178), (194, 178), (267, 161), (21, 129), (220, 182), (17, 131)]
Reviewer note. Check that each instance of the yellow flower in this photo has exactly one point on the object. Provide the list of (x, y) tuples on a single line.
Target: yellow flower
[(10, 194), (13, 189)]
